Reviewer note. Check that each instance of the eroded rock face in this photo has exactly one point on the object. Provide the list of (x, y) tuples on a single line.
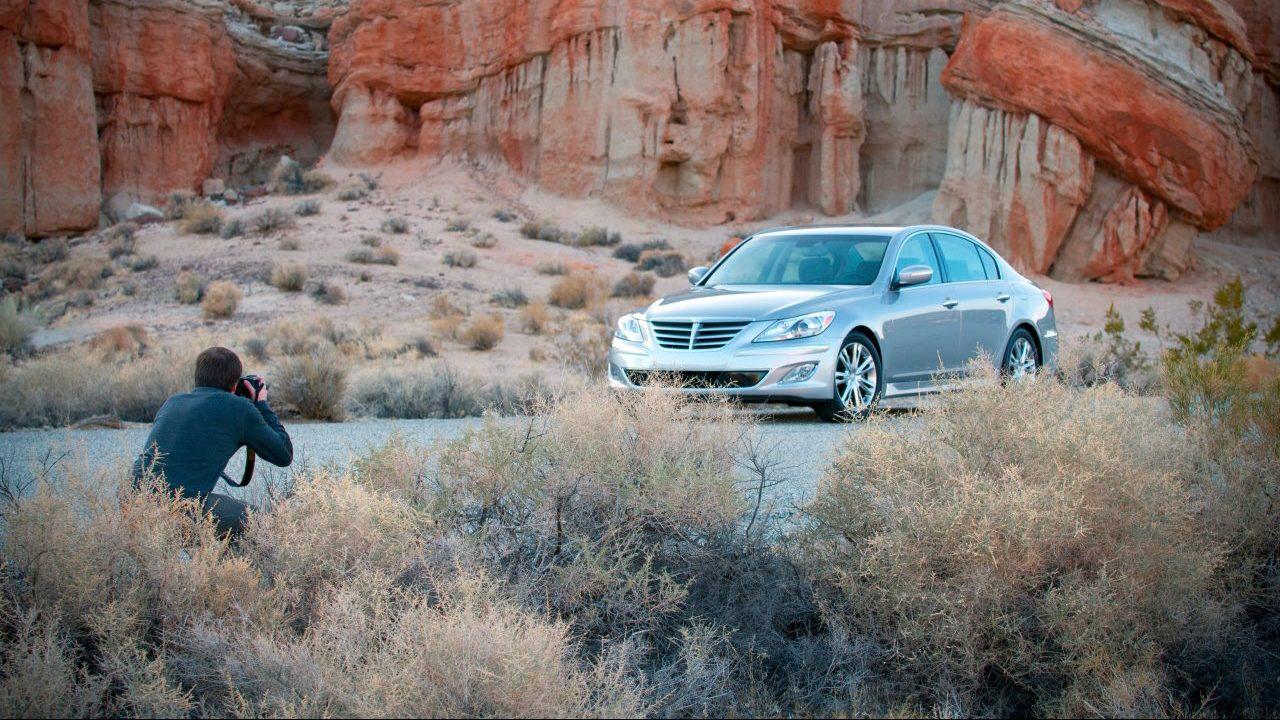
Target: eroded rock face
[(702, 111), (48, 150)]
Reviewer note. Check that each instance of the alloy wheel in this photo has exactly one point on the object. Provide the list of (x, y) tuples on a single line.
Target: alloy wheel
[(856, 377), (1022, 359)]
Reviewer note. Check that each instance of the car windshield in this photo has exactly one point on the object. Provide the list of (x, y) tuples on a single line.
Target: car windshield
[(818, 259)]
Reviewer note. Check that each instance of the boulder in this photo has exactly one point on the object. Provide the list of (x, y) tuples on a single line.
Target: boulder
[(143, 214), (213, 187)]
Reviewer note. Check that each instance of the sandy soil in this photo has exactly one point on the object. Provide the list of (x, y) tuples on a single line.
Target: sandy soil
[(398, 297)]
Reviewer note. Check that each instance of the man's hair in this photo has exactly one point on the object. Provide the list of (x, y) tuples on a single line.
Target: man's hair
[(219, 368)]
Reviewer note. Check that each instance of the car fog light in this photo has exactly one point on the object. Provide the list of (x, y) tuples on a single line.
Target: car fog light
[(800, 373)]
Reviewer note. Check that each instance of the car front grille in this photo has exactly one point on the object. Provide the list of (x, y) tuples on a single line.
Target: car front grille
[(688, 335), (698, 378)]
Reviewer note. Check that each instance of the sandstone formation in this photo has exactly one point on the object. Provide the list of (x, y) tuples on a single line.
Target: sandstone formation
[(703, 111), (1085, 139), (48, 146), (127, 100)]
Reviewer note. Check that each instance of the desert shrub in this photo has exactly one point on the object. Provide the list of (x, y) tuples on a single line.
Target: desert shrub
[(122, 340), (633, 284), (311, 385), (85, 272), (535, 317), (665, 263), (582, 343), (631, 252), (202, 218), (356, 188), (188, 288), (372, 241), (143, 263), (59, 389), (329, 292), (15, 327), (121, 240), (271, 220), (395, 226), (458, 225), (1032, 546), (290, 178), (443, 306), (179, 202), (510, 298), (552, 268), (505, 216), (577, 291), (484, 241), (221, 299), (595, 235), (257, 349), (307, 208), (382, 255), (460, 259), (436, 391), (289, 276), (543, 230), (289, 244), (233, 227), (483, 332)]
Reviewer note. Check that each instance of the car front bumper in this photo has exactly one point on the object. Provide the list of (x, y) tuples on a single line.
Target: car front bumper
[(774, 360)]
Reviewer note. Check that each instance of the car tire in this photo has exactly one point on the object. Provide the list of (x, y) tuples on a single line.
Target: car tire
[(857, 348), (1021, 356)]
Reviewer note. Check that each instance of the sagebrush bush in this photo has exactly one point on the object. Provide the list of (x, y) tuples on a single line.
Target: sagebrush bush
[(221, 299), (311, 385), (307, 208), (577, 291), (202, 218), (1031, 545), (665, 263), (484, 241), (271, 220), (289, 177), (188, 288), (631, 252), (329, 292), (233, 227), (597, 236), (553, 268), (289, 276), (178, 202), (483, 332), (354, 188), (535, 317), (460, 259), (510, 298), (436, 391), (582, 343), (122, 340), (15, 327), (59, 389), (543, 230), (633, 284), (395, 226)]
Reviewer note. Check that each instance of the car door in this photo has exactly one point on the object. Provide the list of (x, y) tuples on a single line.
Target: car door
[(921, 325), (984, 302)]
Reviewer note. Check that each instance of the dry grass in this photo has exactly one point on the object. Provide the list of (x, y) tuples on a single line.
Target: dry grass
[(436, 391), (578, 290), (221, 299), (483, 332), (289, 276), (581, 343), (202, 218)]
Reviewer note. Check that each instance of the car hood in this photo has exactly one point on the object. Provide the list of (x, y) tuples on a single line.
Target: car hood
[(753, 302)]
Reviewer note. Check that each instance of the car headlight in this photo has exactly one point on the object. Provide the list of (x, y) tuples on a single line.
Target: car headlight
[(630, 328), (797, 327)]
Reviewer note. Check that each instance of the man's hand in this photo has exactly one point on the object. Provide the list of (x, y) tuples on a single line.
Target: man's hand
[(262, 392)]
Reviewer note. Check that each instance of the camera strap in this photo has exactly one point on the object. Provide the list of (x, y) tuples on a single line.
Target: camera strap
[(249, 458)]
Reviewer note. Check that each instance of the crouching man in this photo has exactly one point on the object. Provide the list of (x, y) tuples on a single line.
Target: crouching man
[(197, 432)]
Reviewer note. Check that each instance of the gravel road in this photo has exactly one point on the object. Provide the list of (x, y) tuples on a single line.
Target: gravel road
[(800, 446)]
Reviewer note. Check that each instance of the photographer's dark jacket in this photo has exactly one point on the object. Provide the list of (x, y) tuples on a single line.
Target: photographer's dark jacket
[(197, 432)]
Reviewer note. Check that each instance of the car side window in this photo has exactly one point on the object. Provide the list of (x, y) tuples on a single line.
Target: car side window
[(989, 264), (917, 250), (961, 258)]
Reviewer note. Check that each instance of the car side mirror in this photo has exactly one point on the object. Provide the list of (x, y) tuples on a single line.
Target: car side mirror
[(913, 275), (696, 274)]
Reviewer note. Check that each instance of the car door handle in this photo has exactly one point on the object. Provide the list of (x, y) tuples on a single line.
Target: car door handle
[(1002, 297), (948, 304)]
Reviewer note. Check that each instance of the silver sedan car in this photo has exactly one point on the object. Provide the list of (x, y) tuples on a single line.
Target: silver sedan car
[(838, 318)]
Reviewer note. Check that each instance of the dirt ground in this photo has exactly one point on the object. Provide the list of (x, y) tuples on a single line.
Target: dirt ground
[(397, 298)]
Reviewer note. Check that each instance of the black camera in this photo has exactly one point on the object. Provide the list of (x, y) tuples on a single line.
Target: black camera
[(249, 386)]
